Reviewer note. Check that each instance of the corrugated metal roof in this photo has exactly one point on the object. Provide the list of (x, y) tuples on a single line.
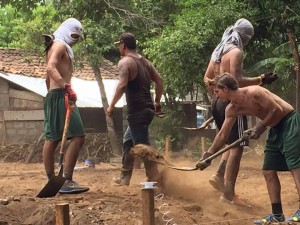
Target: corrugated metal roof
[(87, 91)]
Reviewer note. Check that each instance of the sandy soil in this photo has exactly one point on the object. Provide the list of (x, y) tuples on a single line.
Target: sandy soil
[(188, 198)]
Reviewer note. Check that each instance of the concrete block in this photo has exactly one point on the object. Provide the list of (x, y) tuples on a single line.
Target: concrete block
[(25, 95), (4, 87), (11, 132), (4, 101), (23, 104), (1, 115), (29, 115), (23, 132)]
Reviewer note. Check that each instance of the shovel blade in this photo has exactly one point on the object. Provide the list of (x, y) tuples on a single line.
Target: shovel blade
[(52, 187), (183, 168)]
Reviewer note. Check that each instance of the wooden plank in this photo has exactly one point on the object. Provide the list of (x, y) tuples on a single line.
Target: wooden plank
[(32, 115), (25, 95)]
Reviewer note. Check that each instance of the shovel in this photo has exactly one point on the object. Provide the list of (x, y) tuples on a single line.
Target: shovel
[(225, 149), (203, 126), (56, 182)]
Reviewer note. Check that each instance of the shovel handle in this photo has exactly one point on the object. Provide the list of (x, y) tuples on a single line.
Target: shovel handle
[(245, 137), (203, 126), (69, 107)]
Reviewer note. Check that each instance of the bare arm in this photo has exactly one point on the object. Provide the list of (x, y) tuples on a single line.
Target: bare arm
[(121, 85), (158, 84), (54, 56), (224, 132), (209, 76), (236, 69)]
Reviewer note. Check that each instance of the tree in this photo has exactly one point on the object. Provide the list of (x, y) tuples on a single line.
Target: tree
[(100, 18)]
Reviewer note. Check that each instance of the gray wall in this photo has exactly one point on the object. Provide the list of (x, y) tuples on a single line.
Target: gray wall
[(21, 114)]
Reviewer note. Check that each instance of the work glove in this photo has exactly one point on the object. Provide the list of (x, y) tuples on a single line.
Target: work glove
[(255, 132), (268, 78), (203, 163), (71, 93)]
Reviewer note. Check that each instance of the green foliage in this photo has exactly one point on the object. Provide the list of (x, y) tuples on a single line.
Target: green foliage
[(183, 50), (43, 22), (169, 126), (178, 36), (11, 28)]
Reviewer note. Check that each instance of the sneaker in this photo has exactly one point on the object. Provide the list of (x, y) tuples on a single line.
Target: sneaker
[(217, 182), (72, 187), (295, 217), (270, 218)]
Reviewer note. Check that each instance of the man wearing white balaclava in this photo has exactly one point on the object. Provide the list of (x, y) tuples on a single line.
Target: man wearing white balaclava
[(68, 33), (228, 57), (59, 71)]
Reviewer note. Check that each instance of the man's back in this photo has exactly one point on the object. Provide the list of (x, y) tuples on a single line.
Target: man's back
[(138, 94), (231, 62), (260, 102)]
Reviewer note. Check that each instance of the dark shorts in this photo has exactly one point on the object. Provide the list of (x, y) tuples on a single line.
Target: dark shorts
[(240, 125), (138, 124), (282, 150), (55, 113)]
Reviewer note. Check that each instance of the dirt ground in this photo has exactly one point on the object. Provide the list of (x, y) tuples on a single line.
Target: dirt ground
[(188, 198)]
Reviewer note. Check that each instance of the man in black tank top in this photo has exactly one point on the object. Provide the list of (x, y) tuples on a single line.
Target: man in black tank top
[(135, 76)]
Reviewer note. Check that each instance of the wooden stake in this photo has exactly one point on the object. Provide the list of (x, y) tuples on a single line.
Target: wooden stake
[(148, 206), (62, 214), (203, 146), (167, 148)]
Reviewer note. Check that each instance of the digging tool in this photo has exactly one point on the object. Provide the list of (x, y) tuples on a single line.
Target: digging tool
[(56, 182), (208, 160), (203, 126), (160, 114)]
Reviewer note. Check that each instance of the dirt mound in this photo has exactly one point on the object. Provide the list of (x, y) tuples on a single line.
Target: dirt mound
[(96, 146), (187, 199)]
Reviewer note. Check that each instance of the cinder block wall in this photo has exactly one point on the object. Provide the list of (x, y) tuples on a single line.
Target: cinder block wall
[(21, 115)]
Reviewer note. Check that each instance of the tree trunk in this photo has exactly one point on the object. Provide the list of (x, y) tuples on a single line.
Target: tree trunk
[(109, 121), (297, 63)]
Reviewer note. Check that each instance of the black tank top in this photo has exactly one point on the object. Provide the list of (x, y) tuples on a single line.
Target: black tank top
[(138, 94)]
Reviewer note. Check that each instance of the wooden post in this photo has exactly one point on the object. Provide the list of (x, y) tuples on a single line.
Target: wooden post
[(167, 148), (297, 63), (148, 206), (203, 146), (62, 214)]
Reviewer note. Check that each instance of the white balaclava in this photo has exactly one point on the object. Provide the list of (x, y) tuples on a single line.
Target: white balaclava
[(234, 36), (64, 31)]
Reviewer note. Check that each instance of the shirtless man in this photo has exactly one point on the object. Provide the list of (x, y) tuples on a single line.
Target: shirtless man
[(135, 76), (59, 59), (228, 57), (283, 142)]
